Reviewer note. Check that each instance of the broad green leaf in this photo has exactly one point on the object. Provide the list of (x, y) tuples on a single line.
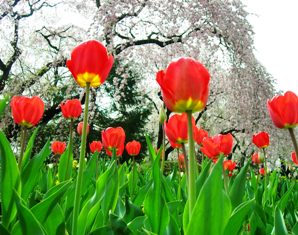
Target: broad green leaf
[(212, 205), (106, 186), (55, 222), (132, 211), (137, 225), (235, 222), (154, 205), (30, 145), (65, 164), (203, 176), (133, 179), (29, 223), (3, 230), (10, 181), (237, 190), (279, 223), (31, 172), (282, 203), (43, 209)]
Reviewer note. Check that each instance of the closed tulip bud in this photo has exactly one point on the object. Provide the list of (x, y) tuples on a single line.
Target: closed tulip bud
[(95, 146), (257, 158), (261, 139), (113, 138), (262, 171), (229, 165), (71, 108), (133, 148), (294, 158), (80, 128)]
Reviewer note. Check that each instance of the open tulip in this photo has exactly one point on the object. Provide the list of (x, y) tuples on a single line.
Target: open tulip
[(294, 158), (80, 128), (283, 110), (71, 108), (58, 147), (113, 139), (133, 148), (90, 63), (27, 111), (176, 129), (217, 145), (261, 139), (184, 85)]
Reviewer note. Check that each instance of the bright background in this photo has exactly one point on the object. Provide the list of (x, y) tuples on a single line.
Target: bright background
[(276, 39)]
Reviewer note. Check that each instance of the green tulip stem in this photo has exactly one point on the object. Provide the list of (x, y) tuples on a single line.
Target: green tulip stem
[(192, 166), (69, 150), (291, 130), (185, 159), (163, 148), (79, 182), (265, 167), (23, 141)]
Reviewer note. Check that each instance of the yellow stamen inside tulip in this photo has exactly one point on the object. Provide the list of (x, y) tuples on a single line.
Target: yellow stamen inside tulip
[(25, 124), (188, 105), (92, 78)]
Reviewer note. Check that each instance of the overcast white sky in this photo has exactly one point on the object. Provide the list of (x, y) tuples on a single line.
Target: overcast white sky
[(276, 39)]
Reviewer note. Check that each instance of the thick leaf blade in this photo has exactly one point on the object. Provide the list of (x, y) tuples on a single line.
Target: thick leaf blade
[(65, 164), (28, 150), (279, 223)]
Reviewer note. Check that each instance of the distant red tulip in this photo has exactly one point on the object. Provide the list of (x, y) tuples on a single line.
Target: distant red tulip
[(294, 158), (261, 139), (176, 129), (229, 165), (283, 110), (71, 108), (26, 111), (199, 135), (181, 161), (58, 147), (133, 148), (262, 171), (184, 85), (95, 146), (90, 63), (214, 146), (80, 128), (256, 158), (113, 138)]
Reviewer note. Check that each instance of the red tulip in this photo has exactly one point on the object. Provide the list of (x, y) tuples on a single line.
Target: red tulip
[(95, 146), (184, 85), (212, 147), (262, 171), (199, 135), (80, 128), (90, 63), (261, 139), (283, 110), (181, 161), (133, 148), (229, 165), (176, 129), (27, 111), (71, 108), (113, 138), (58, 147), (294, 158), (257, 159)]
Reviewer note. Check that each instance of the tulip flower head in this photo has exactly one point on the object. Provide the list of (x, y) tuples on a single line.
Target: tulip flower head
[(261, 139), (27, 111), (90, 63), (95, 146), (113, 138), (133, 148), (80, 128), (176, 129), (262, 171), (217, 145), (283, 110), (58, 147), (294, 158), (184, 85), (71, 108), (257, 158), (229, 165), (181, 161), (199, 135)]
